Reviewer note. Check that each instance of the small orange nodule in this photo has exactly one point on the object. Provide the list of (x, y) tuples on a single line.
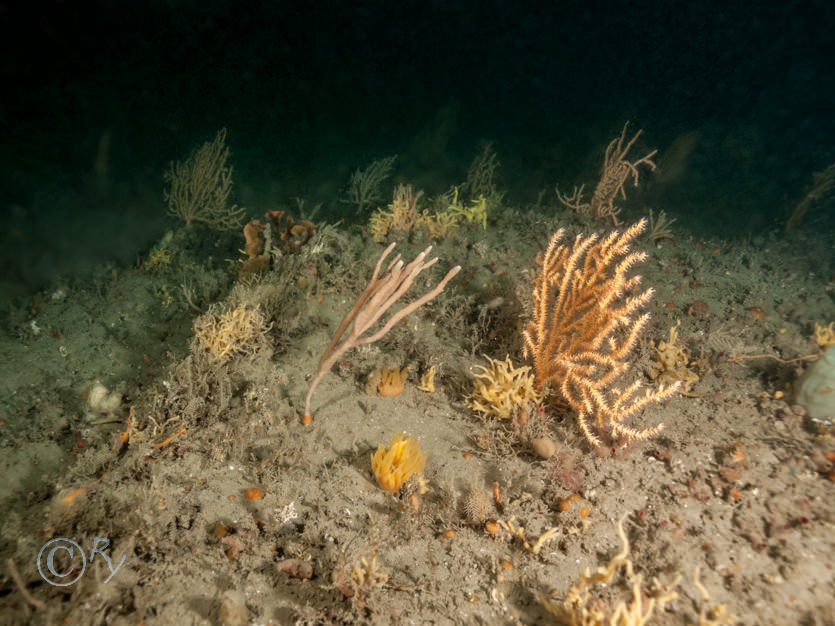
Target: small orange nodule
[(737, 455), (497, 496), (506, 564), (220, 530), (253, 493), (573, 497), (307, 419), (231, 498), (448, 534), (564, 506), (584, 512), (757, 312), (492, 527), (698, 307)]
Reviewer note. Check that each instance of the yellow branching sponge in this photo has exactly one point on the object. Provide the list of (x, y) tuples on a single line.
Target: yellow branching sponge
[(476, 212), (401, 217), (403, 459), (438, 225), (503, 390), (237, 333), (583, 606)]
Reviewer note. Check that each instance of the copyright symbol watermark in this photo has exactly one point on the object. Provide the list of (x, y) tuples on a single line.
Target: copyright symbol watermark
[(62, 561), (71, 556)]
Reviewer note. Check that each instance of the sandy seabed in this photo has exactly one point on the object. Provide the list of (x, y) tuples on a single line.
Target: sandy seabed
[(228, 510)]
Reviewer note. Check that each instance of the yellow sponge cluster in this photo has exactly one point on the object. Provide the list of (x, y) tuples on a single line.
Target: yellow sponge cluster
[(503, 390), (402, 218), (403, 459)]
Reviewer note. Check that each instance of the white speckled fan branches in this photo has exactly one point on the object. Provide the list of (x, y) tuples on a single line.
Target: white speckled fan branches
[(586, 321)]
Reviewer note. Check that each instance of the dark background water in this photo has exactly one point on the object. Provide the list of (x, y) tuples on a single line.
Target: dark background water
[(740, 97)]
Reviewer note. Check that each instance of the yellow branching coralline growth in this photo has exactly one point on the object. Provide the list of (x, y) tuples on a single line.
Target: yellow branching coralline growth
[(427, 381), (586, 320), (503, 390), (237, 333), (582, 605), (825, 335), (401, 217), (403, 459), (475, 212), (673, 362), (438, 225)]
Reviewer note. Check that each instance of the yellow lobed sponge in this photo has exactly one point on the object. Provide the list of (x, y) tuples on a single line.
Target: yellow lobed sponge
[(403, 459)]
